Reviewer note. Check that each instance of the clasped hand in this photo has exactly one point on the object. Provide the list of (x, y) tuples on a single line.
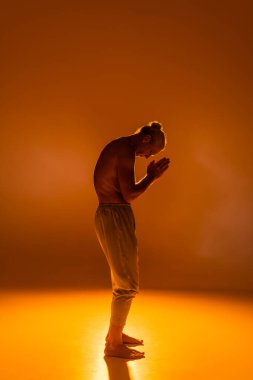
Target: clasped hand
[(156, 169)]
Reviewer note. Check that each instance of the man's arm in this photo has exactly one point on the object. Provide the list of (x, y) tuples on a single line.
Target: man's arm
[(129, 189)]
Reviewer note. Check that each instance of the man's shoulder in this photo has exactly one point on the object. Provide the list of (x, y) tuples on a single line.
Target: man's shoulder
[(122, 145)]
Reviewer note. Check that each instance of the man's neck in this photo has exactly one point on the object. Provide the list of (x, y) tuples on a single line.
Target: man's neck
[(134, 141)]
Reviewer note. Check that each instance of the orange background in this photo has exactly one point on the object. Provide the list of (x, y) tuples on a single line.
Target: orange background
[(76, 75)]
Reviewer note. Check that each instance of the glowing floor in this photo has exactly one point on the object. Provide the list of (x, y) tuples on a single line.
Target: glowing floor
[(187, 335)]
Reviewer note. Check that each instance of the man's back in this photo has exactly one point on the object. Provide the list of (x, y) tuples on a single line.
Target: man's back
[(106, 180)]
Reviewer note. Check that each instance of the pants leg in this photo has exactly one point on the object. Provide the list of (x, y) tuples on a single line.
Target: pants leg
[(115, 229)]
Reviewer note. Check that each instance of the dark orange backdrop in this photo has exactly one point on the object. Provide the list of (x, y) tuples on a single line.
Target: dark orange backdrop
[(76, 75)]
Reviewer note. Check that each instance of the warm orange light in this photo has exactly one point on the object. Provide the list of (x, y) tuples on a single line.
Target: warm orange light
[(60, 335)]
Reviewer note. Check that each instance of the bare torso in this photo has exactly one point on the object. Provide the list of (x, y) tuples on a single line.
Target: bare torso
[(106, 180)]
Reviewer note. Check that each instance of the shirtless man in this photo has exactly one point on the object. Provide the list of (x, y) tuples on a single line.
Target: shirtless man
[(114, 181)]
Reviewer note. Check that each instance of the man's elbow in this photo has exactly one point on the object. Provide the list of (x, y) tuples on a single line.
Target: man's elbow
[(130, 196)]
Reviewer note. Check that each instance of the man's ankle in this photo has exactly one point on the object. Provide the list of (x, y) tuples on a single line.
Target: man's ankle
[(113, 342)]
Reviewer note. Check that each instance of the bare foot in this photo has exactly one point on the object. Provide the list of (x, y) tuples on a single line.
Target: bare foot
[(121, 351), (126, 339), (130, 340)]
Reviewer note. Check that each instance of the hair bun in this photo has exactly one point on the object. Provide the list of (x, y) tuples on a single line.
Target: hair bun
[(156, 124)]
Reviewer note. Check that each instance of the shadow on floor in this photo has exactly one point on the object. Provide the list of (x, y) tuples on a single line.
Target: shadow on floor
[(117, 369)]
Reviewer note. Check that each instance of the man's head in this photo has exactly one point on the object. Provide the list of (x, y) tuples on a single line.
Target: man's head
[(152, 139)]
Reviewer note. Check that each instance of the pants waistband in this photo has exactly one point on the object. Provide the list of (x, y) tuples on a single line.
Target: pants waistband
[(114, 204)]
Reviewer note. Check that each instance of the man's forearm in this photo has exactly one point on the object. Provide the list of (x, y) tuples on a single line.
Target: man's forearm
[(140, 187)]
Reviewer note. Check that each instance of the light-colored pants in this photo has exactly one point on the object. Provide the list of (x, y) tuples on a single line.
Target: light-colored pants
[(115, 229)]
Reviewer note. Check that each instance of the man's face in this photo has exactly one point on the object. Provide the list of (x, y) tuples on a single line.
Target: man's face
[(146, 149)]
